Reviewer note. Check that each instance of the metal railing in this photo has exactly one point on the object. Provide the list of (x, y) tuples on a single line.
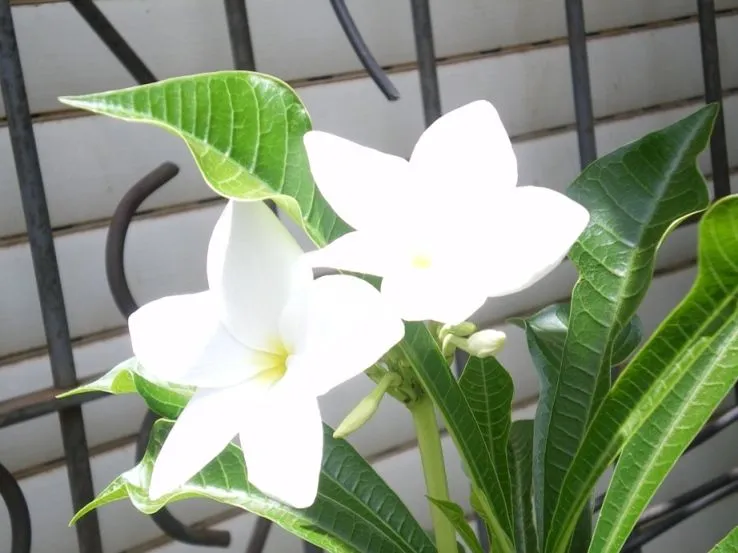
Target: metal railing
[(656, 520)]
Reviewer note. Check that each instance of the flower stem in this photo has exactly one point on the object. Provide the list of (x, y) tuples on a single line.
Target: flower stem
[(434, 470)]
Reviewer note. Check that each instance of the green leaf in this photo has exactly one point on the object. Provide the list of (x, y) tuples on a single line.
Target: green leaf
[(521, 470), (488, 389), (550, 325), (118, 380), (633, 196), (355, 509), (129, 377), (708, 316), (245, 132), (457, 517), (729, 544), (434, 374)]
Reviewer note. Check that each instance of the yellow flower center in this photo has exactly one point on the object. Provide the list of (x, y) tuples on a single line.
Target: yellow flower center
[(421, 261), (273, 362)]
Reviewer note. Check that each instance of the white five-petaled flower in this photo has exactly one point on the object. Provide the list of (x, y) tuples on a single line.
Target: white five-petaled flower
[(260, 345), (448, 228)]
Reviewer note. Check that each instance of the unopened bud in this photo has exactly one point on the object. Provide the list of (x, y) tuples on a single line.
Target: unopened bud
[(485, 343), (462, 329), (366, 408)]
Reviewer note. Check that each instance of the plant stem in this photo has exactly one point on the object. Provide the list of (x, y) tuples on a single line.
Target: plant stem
[(434, 470)]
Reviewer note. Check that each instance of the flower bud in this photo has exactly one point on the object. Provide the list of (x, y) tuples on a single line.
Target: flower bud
[(485, 343), (366, 408), (461, 329)]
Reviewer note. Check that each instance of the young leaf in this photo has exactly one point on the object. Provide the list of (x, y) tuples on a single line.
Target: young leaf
[(118, 380), (355, 509), (521, 465), (129, 377), (488, 389), (245, 132), (691, 339), (456, 516), (434, 374), (652, 452), (729, 544), (633, 196)]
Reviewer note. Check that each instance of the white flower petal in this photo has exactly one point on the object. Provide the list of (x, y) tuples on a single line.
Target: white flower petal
[(540, 226), (365, 187), (360, 252), (211, 419), (435, 295), (348, 328), (179, 339), (282, 444), (251, 259), (466, 153)]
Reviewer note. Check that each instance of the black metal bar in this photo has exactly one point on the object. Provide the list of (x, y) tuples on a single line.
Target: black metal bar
[(113, 40), (115, 242), (703, 496), (425, 51), (308, 547), (362, 51), (580, 81), (38, 404), (240, 35), (259, 535), (714, 93), (20, 518), (47, 275), (163, 518)]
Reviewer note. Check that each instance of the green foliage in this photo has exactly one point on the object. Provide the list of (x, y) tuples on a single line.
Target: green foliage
[(729, 544), (457, 517), (633, 195), (697, 345), (488, 389), (521, 470)]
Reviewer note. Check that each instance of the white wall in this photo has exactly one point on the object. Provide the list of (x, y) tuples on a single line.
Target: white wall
[(508, 51)]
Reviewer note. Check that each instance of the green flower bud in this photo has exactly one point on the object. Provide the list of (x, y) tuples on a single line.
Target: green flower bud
[(366, 408)]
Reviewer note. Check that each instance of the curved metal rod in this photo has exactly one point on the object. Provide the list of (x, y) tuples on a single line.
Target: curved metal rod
[(118, 284), (20, 518), (163, 518), (115, 243), (365, 56)]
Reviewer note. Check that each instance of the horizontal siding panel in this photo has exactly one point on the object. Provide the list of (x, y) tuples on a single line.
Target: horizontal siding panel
[(113, 418), (179, 37), (89, 162)]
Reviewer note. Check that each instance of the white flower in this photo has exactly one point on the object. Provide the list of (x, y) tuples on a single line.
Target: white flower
[(449, 228), (260, 346)]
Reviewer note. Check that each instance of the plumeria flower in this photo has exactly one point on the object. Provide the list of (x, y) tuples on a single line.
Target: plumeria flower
[(260, 345), (448, 228)]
